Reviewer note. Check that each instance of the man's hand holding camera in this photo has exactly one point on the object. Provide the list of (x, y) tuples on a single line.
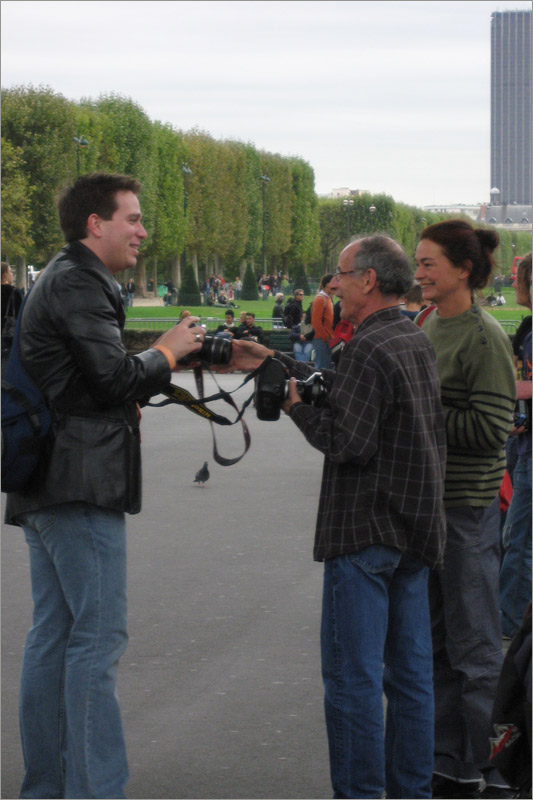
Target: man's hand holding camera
[(294, 396), (182, 340)]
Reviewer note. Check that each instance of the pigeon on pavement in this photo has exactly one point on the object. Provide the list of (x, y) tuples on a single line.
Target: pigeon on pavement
[(202, 476)]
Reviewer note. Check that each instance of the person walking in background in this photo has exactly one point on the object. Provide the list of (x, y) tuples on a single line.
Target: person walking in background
[(73, 510), (515, 574), (475, 367), (322, 322), (130, 291), (292, 314), (380, 526), (277, 312), (11, 303)]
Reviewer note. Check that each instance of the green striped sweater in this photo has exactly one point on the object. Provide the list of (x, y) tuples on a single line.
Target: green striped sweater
[(475, 365)]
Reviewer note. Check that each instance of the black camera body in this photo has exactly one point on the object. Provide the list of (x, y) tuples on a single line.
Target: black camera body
[(214, 350), (273, 389)]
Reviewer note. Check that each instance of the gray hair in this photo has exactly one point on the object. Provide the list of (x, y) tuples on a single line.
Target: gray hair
[(389, 261)]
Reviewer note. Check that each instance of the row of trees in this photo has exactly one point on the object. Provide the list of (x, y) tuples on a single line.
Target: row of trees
[(203, 197), (199, 195)]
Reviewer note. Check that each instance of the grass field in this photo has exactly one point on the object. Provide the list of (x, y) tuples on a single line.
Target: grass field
[(263, 309)]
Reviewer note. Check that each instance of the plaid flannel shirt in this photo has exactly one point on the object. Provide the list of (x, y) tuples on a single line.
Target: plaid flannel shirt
[(383, 436)]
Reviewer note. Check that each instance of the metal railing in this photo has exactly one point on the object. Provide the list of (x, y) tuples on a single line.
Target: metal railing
[(510, 326), (164, 323)]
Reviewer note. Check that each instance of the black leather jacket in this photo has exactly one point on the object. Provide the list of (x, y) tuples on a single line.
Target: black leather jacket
[(71, 345)]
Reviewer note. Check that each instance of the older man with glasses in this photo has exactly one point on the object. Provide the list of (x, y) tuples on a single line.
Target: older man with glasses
[(380, 526)]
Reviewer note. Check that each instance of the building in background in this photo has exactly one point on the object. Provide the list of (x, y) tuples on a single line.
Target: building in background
[(510, 110)]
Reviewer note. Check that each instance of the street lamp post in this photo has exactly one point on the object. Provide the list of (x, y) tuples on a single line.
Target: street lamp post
[(373, 210), (187, 172), (264, 180), (81, 141), (347, 205)]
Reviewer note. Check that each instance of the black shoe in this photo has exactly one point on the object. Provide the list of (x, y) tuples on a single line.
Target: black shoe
[(448, 790)]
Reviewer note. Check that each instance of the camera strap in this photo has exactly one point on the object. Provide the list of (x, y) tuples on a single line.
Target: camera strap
[(176, 394)]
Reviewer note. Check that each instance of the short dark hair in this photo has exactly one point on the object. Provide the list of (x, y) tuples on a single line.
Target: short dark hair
[(461, 242), (325, 279), (91, 194), (523, 271), (389, 261), (414, 295), (230, 312)]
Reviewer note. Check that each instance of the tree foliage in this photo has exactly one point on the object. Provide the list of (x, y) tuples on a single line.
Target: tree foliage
[(218, 213), (40, 125), (16, 209), (249, 285), (189, 293)]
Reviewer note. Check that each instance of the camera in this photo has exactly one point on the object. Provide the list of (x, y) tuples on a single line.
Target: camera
[(214, 350), (273, 389)]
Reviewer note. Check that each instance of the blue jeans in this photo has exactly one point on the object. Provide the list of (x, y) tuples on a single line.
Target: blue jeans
[(515, 574), (302, 351), (322, 354), (70, 723), (376, 638)]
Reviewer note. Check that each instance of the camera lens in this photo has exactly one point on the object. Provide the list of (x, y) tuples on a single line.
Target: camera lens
[(214, 350)]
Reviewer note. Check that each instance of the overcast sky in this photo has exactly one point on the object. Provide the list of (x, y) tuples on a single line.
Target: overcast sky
[(391, 97)]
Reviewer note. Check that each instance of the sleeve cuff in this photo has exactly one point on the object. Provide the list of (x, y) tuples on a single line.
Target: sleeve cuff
[(167, 353)]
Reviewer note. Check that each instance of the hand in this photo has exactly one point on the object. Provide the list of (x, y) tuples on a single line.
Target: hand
[(245, 355), (517, 431), (294, 396), (184, 338)]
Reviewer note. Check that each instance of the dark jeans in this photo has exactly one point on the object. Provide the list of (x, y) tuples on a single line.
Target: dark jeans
[(467, 644)]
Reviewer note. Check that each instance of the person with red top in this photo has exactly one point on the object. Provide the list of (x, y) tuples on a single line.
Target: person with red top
[(322, 322)]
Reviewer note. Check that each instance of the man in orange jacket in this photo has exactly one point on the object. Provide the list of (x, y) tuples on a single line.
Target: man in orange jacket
[(322, 322)]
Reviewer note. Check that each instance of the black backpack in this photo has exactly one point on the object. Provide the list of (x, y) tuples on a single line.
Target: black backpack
[(26, 420), (306, 328), (511, 714)]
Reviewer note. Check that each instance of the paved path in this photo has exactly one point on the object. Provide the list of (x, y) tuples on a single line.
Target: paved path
[(220, 686)]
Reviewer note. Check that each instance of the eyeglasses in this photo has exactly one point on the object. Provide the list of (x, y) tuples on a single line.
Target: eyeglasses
[(338, 273)]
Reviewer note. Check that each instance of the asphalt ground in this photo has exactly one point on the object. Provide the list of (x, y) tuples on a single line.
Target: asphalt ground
[(220, 686)]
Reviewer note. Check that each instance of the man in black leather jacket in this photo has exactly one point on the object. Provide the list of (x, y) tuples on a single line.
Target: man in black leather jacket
[(72, 513)]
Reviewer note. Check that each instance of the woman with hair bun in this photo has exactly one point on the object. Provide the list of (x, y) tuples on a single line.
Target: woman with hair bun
[(474, 360)]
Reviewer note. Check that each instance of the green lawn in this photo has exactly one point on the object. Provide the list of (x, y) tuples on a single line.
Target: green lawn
[(263, 309)]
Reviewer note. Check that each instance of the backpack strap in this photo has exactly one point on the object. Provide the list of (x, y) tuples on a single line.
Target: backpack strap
[(426, 312)]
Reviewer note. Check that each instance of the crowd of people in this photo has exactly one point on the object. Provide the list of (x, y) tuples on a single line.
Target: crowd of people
[(420, 410)]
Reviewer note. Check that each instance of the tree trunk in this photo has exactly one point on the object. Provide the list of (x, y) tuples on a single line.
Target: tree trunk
[(153, 277), (21, 273), (140, 277), (175, 271)]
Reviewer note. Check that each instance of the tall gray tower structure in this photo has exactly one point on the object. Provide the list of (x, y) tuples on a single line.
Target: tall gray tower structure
[(510, 139)]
